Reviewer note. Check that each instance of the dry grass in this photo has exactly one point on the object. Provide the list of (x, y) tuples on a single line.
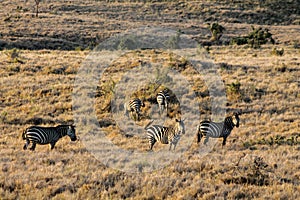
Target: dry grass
[(261, 157)]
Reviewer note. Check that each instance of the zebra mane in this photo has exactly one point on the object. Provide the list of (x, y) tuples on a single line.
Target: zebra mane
[(62, 129), (148, 124), (64, 126), (230, 120)]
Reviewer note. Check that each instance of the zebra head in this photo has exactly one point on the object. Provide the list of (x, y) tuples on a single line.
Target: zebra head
[(179, 126), (236, 119), (71, 132), (143, 103)]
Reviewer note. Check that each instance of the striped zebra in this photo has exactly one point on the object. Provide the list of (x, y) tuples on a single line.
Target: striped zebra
[(162, 99), (165, 135), (217, 130), (134, 108), (47, 135)]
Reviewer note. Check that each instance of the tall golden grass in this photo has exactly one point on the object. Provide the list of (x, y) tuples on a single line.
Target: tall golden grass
[(259, 161)]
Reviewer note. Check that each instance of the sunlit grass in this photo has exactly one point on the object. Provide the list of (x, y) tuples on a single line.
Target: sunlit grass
[(37, 86)]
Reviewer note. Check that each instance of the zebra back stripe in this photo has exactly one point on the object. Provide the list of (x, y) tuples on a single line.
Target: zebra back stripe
[(43, 135), (134, 107), (162, 98), (158, 133), (165, 135), (211, 129), (217, 130)]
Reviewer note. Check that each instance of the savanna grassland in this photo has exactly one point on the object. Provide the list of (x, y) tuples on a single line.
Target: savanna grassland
[(41, 55)]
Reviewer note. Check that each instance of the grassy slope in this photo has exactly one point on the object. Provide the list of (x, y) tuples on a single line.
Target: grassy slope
[(38, 89)]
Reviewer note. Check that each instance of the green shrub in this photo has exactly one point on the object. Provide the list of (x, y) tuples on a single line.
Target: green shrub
[(277, 52), (255, 38), (234, 91), (13, 55), (296, 44), (216, 31), (274, 140), (234, 87)]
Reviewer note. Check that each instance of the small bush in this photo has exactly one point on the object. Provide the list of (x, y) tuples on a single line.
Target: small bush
[(280, 67), (296, 44), (234, 91), (255, 38), (234, 88), (239, 40), (253, 173), (13, 55), (274, 140), (277, 52), (216, 31)]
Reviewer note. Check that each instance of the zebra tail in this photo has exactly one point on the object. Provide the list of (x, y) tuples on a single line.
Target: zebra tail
[(149, 124), (23, 135)]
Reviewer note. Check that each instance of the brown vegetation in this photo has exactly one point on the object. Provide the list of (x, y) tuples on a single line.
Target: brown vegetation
[(41, 55)]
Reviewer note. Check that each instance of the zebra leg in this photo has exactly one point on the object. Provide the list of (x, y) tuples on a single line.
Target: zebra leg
[(160, 109), (151, 146), (52, 144), (206, 140), (174, 146), (125, 109), (166, 108), (133, 114), (26, 144), (170, 146), (199, 137), (224, 141), (139, 116), (32, 148)]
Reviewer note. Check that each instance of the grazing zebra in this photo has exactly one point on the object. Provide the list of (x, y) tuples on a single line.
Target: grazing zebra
[(134, 107), (47, 135), (165, 135), (217, 130), (162, 99)]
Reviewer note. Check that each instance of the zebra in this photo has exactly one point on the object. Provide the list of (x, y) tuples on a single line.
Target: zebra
[(217, 130), (165, 135), (162, 99), (134, 107), (47, 135)]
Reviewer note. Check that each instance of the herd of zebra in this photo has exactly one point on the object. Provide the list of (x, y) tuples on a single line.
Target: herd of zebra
[(155, 133)]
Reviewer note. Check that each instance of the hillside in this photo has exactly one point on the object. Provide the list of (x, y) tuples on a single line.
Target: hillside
[(42, 57)]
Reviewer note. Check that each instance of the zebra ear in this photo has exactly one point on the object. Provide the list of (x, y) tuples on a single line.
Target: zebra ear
[(72, 126), (240, 112), (237, 112), (179, 120)]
